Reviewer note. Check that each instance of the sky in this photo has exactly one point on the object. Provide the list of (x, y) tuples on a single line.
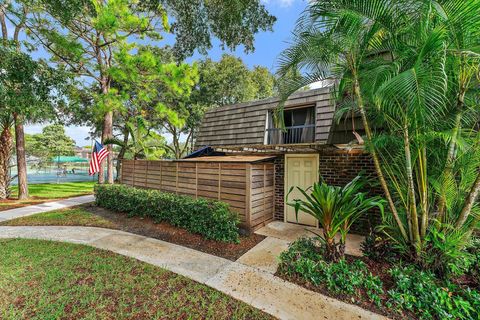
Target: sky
[(268, 46)]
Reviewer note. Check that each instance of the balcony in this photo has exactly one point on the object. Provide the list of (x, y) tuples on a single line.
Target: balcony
[(291, 135)]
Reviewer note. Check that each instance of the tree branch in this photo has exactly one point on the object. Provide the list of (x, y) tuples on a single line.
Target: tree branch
[(3, 23)]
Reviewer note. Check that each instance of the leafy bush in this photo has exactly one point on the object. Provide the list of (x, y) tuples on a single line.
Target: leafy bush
[(421, 293), (445, 252), (411, 290), (377, 248), (474, 267), (305, 259), (212, 219)]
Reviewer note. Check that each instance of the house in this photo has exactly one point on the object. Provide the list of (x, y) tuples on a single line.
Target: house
[(251, 164), (311, 145)]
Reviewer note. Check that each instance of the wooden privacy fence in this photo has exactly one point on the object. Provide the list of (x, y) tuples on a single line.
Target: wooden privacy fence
[(247, 187)]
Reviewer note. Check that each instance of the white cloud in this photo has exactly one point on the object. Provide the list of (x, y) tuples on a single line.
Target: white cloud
[(281, 3)]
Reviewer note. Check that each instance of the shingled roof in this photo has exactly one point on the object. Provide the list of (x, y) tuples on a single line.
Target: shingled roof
[(245, 123)]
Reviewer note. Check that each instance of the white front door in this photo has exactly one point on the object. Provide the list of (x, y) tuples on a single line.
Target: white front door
[(300, 171)]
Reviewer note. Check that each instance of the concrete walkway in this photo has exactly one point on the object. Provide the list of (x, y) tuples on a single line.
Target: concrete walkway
[(255, 285), (279, 235), (249, 279), (44, 207)]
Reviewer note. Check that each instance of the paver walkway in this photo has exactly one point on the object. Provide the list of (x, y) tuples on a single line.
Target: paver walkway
[(256, 286), (44, 207)]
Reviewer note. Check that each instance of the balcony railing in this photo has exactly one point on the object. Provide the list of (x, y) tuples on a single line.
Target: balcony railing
[(291, 135)]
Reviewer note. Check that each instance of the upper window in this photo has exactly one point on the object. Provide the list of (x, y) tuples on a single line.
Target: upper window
[(299, 127)]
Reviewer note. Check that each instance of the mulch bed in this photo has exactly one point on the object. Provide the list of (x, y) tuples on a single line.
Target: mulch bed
[(166, 232)]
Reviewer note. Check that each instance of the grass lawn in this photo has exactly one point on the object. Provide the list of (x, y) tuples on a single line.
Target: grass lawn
[(64, 217), (51, 280), (48, 191)]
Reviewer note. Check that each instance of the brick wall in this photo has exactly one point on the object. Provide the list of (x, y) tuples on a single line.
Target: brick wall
[(279, 187), (337, 167)]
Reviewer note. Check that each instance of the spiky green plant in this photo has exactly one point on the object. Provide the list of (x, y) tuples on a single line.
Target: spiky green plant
[(336, 209)]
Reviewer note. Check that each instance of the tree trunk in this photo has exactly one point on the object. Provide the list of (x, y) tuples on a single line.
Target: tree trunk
[(467, 207), (107, 134), (6, 145), (192, 140), (452, 150), (412, 211), (376, 161), (121, 153), (331, 252), (21, 158), (423, 190), (3, 23)]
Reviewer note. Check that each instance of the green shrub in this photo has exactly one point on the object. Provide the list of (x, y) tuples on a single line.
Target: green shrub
[(474, 267), (427, 297), (445, 253), (212, 219), (378, 248), (305, 259), (412, 290)]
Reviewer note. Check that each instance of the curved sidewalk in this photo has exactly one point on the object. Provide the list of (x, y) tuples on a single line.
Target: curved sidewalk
[(254, 286), (44, 207)]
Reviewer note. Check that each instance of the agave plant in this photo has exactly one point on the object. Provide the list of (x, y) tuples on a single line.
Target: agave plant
[(336, 209)]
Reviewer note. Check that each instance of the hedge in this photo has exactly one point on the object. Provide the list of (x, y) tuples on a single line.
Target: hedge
[(212, 219)]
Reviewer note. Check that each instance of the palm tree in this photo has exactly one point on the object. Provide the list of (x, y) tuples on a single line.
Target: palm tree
[(406, 64), (333, 39), (434, 74), (139, 140)]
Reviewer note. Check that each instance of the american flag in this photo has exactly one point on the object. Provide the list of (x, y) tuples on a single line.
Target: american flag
[(98, 154)]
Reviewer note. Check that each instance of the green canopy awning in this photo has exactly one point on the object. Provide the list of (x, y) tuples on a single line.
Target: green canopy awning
[(68, 159)]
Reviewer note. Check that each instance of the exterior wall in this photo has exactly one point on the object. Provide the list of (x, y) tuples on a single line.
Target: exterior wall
[(337, 167), (245, 123)]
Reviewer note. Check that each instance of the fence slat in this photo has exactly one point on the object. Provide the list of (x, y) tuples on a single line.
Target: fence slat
[(247, 188)]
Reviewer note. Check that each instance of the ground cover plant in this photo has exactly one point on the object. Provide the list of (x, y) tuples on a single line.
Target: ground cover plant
[(474, 268), (305, 258), (44, 280), (399, 291), (90, 215), (212, 219), (48, 191)]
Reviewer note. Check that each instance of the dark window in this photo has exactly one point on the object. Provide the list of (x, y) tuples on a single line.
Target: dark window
[(299, 127)]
